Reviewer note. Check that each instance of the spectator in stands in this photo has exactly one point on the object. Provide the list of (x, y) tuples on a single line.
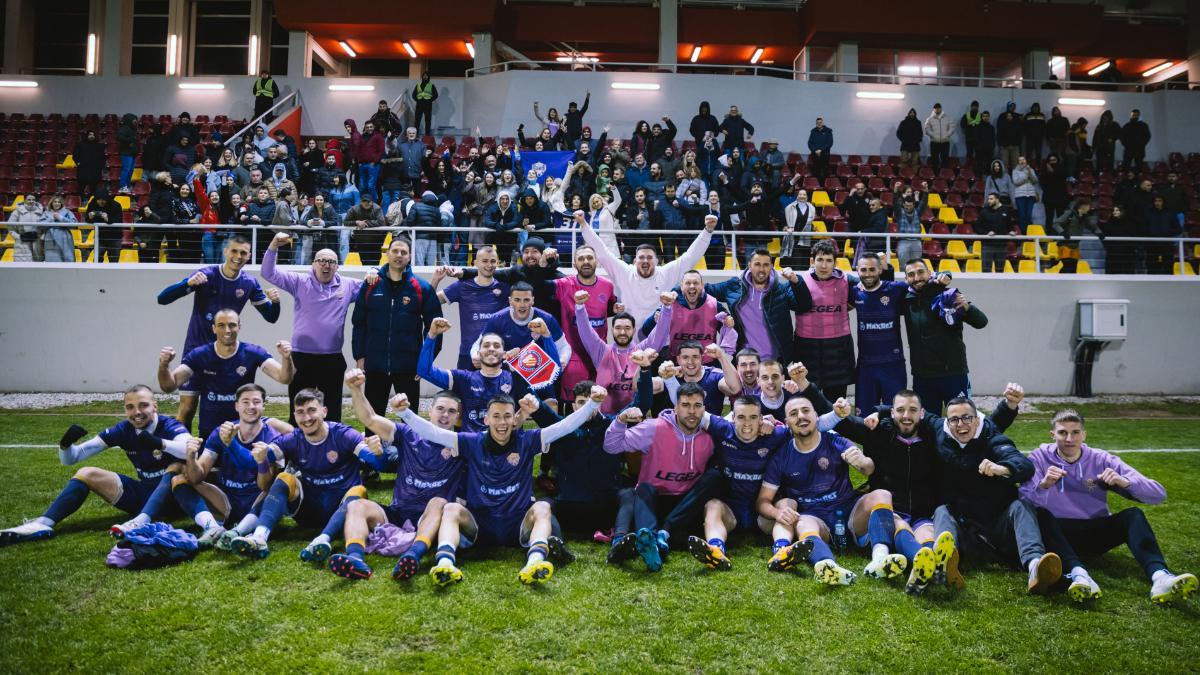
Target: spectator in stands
[(1135, 136), (103, 211), (385, 120), (392, 179), (286, 144), (1077, 220), (877, 223), (736, 129), (370, 151), (242, 175), (1120, 257), (999, 182), (263, 142), (285, 189), (909, 133), (1104, 141), (940, 130), (660, 139), (424, 93), (1025, 195), (1077, 148), (27, 237), (226, 161), (820, 143), (1033, 128), (669, 162), (1056, 132), (704, 125), (310, 162), (508, 185), (412, 151), (908, 221), (773, 160), (574, 120), (714, 257), (367, 237), (319, 217), (185, 212), (856, 207), (265, 92), (1055, 198), (1008, 135), (969, 123), (127, 147), (184, 147), (799, 217), (342, 196), (479, 194), (250, 190), (427, 246), (985, 143), (995, 218), (1052, 83), (184, 127), (260, 211), (57, 240), (153, 150), (89, 162), (179, 168), (352, 142), (148, 241), (1125, 193), (1174, 195), (325, 175), (501, 219), (1161, 223)]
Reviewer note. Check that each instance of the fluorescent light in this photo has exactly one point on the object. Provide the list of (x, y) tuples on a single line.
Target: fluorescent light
[(640, 86), (909, 70), (412, 53), (577, 59), (207, 86), (695, 54), (252, 61), (18, 83), (929, 70), (758, 52), (1158, 69), (885, 95), (90, 68), (351, 87), (346, 48), (172, 54), (470, 48), (1057, 61), (1081, 101), (1100, 68)]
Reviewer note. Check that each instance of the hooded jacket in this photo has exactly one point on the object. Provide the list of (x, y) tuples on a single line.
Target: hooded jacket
[(89, 159), (127, 136), (284, 188), (424, 213), (354, 143), (704, 121), (939, 128), (574, 120), (779, 302), (111, 208), (674, 460), (537, 213), (657, 145), (909, 132), (735, 129), (1008, 128), (391, 319), (1001, 185), (967, 493), (1071, 224)]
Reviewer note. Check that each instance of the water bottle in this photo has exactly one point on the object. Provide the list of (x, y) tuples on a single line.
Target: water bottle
[(840, 543)]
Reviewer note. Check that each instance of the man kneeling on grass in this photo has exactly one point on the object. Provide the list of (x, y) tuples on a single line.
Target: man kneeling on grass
[(500, 508), (1070, 487)]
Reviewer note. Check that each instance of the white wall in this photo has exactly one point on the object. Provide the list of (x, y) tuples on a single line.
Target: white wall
[(95, 329)]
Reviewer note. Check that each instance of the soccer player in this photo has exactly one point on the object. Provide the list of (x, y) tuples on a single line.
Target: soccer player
[(747, 362), (934, 319), (326, 455), (538, 264), (428, 476), (639, 284), (215, 371), (475, 387), (697, 316), (615, 371), (716, 384), (227, 449), (980, 469), (478, 299), (823, 339), (673, 484), (1070, 485), (516, 324), (151, 442), (500, 508), (813, 473), (744, 447), (218, 287), (878, 307)]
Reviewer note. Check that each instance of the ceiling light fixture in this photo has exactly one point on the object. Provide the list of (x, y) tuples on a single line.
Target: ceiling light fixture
[(695, 54), (758, 52), (1100, 68), (639, 86), (412, 53), (470, 48), (346, 48), (1158, 69), (881, 95)]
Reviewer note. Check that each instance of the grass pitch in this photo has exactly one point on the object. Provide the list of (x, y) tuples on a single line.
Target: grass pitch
[(62, 609)]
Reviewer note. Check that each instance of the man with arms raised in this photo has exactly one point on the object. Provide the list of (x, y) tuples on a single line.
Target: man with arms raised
[(599, 303), (615, 370), (934, 318), (762, 301), (716, 384), (478, 299), (697, 316), (517, 325)]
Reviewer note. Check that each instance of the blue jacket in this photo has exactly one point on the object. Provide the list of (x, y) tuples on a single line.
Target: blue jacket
[(391, 320), (413, 153), (820, 139), (637, 177), (342, 200), (779, 303)]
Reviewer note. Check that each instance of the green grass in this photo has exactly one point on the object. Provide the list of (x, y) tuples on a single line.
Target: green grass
[(62, 609)]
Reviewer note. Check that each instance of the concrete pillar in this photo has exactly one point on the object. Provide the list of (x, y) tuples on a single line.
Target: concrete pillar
[(415, 68), (260, 25), (668, 31), (1193, 41), (483, 49), (299, 54), (847, 61), (18, 37), (178, 15), (1035, 68)]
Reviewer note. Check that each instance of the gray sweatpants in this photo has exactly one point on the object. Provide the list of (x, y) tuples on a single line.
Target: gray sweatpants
[(1015, 531)]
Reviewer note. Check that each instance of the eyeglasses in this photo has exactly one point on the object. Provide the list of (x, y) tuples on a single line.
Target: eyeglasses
[(962, 419), (325, 261)]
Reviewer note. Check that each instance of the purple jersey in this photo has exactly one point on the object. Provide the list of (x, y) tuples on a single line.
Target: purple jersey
[(219, 293), (500, 479), (814, 479), (476, 390), (328, 466), (476, 304), (424, 470), (237, 472), (149, 462), (710, 382), (878, 313), (215, 379), (744, 463)]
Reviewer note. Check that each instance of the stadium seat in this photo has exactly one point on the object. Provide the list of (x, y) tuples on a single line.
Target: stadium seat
[(957, 249), (1027, 267), (949, 216), (934, 201), (948, 265), (1184, 269), (820, 199), (843, 264), (974, 266), (1036, 231), (1082, 267)]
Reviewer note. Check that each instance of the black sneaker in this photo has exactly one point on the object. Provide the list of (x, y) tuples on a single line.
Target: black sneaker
[(623, 548), (559, 554)]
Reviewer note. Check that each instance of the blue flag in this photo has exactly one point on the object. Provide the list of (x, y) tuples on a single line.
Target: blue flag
[(553, 163)]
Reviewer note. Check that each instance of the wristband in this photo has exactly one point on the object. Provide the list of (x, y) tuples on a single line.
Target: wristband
[(264, 467)]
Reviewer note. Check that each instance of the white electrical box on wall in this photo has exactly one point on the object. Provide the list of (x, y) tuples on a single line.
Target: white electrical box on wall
[(1103, 319)]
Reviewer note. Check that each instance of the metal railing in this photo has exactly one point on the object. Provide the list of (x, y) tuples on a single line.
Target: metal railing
[(739, 243), (229, 142)]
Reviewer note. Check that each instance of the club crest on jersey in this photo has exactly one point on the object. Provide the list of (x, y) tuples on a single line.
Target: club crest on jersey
[(506, 388), (514, 458), (496, 292), (884, 300), (241, 370), (332, 456), (157, 454), (762, 452), (447, 453), (405, 300), (823, 463), (239, 292), (1089, 483)]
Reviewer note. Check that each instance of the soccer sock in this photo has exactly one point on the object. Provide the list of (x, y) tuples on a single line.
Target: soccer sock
[(1158, 573), (320, 539), (1077, 573), (67, 502), (355, 548), (157, 500), (820, 549), (192, 504), (537, 551), (927, 543), (418, 548), (273, 509), (246, 524), (444, 556), (780, 543), (337, 521), (879, 552), (718, 542), (907, 544), (881, 526)]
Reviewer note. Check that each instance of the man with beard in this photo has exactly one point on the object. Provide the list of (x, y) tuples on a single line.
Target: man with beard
[(696, 316), (599, 303), (478, 298), (825, 297), (614, 369), (878, 306), (522, 322), (762, 301), (934, 319)]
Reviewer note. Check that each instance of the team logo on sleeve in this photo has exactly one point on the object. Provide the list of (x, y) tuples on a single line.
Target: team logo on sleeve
[(763, 452), (239, 292), (514, 458), (241, 371), (332, 456), (884, 300), (823, 463)]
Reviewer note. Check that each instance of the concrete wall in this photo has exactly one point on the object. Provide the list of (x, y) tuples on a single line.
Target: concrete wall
[(92, 329)]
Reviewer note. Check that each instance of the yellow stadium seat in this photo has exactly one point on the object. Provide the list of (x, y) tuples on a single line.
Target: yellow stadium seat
[(949, 216), (1082, 267), (1027, 250), (1027, 267), (123, 200), (934, 201), (895, 263), (1184, 269), (387, 241), (819, 226), (928, 263), (353, 259), (848, 249), (8, 240), (774, 247), (820, 199), (137, 174), (1051, 250), (1036, 231), (128, 255), (1008, 268), (1196, 251), (948, 265), (67, 163), (7, 256), (1053, 269), (13, 206), (77, 236), (844, 265), (958, 250), (975, 265)]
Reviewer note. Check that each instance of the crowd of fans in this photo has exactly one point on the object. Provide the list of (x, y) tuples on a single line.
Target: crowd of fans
[(383, 175)]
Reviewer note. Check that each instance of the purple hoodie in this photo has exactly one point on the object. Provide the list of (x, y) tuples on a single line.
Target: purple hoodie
[(674, 460), (1078, 495)]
